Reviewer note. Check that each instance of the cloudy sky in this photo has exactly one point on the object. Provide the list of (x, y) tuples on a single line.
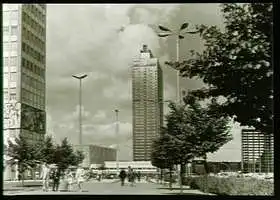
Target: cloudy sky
[(86, 39)]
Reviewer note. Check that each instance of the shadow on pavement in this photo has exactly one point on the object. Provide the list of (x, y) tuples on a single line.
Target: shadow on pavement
[(27, 186), (178, 193), (173, 188)]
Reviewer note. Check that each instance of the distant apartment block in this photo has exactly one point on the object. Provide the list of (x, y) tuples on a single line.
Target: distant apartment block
[(257, 151), (95, 154), (147, 103)]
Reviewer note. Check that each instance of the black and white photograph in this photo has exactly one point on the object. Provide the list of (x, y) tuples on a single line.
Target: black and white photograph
[(133, 99)]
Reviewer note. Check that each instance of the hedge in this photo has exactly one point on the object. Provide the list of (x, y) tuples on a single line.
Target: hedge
[(230, 185)]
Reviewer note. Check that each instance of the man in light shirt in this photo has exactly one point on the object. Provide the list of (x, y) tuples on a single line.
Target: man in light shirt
[(79, 177), (45, 176)]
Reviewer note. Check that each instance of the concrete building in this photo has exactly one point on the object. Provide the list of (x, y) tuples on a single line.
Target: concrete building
[(147, 103), (257, 151), (24, 66), (95, 154)]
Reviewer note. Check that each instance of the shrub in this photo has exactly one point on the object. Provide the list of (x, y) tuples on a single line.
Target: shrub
[(230, 185)]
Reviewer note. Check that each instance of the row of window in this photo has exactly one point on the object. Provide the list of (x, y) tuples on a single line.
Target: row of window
[(36, 41), (10, 46), (10, 97), (33, 68), (10, 15), (30, 51), (10, 61), (37, 14), (32, 82), (26, 19), (13, 76), (10, 30), (32, 98)]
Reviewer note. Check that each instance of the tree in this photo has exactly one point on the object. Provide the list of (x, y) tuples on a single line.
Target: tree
[(46, 150), (194, 131), (21, 153), (65, 156), (237, 64), (79, 157), (162, 155)]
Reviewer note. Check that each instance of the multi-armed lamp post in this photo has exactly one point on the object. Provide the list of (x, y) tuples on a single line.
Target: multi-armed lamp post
[(80, 78), (179, 34)]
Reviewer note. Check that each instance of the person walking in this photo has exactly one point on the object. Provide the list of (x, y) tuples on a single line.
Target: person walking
[(131, 176), (79, 177), (70, 179), (122, 177), (45, 176), (55, 177), (139, 176)]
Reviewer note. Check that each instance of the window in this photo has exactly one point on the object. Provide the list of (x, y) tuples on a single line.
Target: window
[(6, 61), (6, 15), (5, 30), (13, 76), (14, 30), (6, 46), (6, 95), (13, 61), (14, 46), (14, 15), (12, 90), (13, 96)]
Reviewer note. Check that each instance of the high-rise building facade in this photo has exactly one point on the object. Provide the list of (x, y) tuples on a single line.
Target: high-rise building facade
[(257, 151), (24, 66), (147, 103)]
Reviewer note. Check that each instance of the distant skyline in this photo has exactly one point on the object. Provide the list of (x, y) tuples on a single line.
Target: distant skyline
[(86, 39)]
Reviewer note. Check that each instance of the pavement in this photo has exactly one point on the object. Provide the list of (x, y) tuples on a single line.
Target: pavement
[(108, 188)]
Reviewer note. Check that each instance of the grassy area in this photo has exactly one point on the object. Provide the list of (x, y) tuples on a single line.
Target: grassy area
[(230, 185)]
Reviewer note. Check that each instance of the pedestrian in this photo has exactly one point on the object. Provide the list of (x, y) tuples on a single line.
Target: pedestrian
[(99, 175), (45, 176), (55, 177), (139, 176), (79, 177), (131, 176), (70, 179), (122, 177)]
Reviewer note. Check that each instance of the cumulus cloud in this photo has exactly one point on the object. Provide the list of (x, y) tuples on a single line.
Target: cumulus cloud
[(101, 40)]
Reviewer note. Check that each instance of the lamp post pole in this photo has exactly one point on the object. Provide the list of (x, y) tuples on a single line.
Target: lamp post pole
[(80, 104), (179, 35), (117, 137)]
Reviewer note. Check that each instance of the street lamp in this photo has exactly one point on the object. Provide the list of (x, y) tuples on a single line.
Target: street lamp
[(80, 102), (179, 35), (117, 137)]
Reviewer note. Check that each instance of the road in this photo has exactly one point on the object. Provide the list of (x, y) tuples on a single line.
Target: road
[(109, 188)]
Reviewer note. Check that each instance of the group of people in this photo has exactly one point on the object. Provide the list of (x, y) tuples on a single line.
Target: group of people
[(56, 175), (130, 175)]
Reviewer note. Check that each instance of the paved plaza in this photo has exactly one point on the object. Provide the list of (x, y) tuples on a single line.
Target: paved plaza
[(108, 188)]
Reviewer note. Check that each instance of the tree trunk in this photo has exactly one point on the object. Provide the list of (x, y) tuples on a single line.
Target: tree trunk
[(22, 178), (206, 173), (161, 172), (182, 175), (170, 178)]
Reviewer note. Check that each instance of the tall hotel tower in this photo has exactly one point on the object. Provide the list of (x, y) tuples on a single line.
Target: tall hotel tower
[(147, 97), (24, 66)]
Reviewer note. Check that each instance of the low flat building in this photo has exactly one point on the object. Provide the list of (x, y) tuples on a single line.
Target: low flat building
[(95, 154), (144, 167)]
